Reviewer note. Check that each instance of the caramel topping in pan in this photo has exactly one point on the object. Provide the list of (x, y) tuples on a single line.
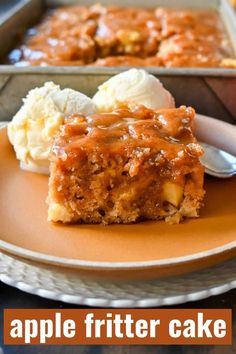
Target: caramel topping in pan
[(116, 36)]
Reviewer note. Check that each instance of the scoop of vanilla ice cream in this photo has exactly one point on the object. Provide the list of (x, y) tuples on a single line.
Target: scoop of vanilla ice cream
[(134, 85), (38, 120)]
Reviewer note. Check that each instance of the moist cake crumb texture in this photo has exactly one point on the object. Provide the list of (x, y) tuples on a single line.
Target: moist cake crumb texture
[(125, 166)]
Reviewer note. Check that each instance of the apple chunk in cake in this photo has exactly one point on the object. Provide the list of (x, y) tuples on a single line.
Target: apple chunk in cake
[(125, 166)]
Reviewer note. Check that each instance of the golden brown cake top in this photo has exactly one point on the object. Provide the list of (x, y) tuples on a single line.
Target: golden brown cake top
[(131, 131)]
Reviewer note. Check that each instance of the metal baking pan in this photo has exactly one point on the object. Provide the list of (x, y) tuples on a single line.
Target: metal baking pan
[(209, 91)]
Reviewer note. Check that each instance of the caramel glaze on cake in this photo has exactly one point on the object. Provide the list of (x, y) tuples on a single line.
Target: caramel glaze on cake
[(116, 36), (125, 166)]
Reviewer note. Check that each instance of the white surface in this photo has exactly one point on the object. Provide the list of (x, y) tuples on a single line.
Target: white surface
[(53, 283)]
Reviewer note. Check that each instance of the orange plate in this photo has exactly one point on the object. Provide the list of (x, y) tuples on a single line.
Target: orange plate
[(152, 248)]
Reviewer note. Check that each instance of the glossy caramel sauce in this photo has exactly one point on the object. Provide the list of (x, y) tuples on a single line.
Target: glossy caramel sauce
[(116, 36), (133, 131), (128, 165)]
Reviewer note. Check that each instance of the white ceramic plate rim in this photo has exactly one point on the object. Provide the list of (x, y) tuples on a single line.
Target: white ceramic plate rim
[(35, 281), (96, 265)]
